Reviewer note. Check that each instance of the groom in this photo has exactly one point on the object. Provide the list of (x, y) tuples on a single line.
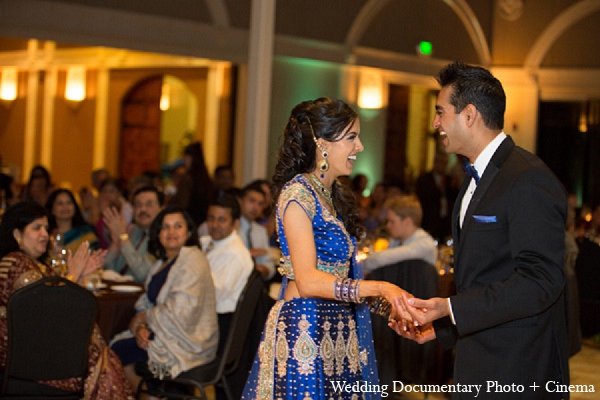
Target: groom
[(507, 320)]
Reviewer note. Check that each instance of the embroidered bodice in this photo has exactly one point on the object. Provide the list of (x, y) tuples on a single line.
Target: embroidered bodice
[(334, 245)]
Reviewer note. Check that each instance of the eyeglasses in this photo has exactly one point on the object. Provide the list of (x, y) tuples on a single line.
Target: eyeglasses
[(147, 204)]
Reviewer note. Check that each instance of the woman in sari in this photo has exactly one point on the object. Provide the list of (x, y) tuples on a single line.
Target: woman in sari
[(65, 218), (319, 331), (175, 328), (23, 260)]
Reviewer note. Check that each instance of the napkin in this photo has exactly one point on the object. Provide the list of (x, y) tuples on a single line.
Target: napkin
[(110, 275)]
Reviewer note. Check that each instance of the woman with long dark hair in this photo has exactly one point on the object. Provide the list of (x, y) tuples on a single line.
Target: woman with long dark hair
[(320, 329), (194, 187), (65, 218), (24, 260)]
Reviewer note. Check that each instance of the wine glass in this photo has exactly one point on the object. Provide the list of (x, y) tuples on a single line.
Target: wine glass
[(95, 278), (58, 254)]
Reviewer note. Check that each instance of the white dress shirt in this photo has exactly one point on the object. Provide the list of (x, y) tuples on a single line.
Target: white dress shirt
[(257, 234), (231, 265), (481, 163)]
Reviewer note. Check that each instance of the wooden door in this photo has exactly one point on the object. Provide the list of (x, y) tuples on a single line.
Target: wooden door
[(139, 148), (395, 135)]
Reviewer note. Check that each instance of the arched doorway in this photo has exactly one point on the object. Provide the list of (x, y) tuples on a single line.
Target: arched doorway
[(158, 117)]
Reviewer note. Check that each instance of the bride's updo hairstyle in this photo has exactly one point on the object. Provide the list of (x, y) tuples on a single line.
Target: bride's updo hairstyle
[(329, 120)]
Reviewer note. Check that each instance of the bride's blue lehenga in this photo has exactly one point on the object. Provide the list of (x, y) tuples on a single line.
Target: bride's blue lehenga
[(311, 346)]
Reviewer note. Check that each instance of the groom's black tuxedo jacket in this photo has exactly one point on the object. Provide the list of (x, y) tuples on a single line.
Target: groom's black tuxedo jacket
[(509, 274)]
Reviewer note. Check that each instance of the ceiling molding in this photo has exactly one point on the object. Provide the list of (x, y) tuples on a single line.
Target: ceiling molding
[(556, 28), (360, 24), (471, 24), (88, 26), (218, 13)]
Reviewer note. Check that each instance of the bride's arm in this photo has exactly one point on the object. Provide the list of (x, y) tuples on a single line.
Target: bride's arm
[(308, 280)]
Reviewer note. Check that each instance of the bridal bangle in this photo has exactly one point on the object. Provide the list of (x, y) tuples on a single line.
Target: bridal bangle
[(380, 306), (346, 290)]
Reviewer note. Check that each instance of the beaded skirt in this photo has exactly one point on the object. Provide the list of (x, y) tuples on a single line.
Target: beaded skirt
[(307, 346)]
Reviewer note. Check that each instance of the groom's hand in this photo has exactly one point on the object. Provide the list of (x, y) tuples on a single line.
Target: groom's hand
[(406, 329)]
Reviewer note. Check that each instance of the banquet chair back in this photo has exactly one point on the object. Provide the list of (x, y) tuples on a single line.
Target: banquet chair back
[(216, 372), (50, 324), (398, 358)]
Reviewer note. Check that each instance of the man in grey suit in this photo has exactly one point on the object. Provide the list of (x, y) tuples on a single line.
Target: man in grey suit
[(507, 320)]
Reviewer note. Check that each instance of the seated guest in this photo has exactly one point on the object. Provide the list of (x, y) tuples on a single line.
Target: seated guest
[(253, 234), (375, 215), (175, 328), (23, 253), (65, 218), (110, 196), (403, 216), (128, 251), (229, 259), (223, 179), (38, 186)]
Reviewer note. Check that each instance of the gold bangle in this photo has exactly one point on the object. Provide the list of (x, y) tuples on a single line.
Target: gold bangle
[(142, 325), (123, 237)]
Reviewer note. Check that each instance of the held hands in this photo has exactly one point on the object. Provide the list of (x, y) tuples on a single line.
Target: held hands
[(423, 312), (397, 297), (408, 330), (426, 311)]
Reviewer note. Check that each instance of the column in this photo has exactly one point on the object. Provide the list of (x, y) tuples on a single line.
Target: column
[(258, 97)]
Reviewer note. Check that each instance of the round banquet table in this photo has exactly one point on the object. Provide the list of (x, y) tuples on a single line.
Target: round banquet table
[(115, 307)]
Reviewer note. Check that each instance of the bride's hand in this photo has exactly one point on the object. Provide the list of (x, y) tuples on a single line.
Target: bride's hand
[(397, 296)]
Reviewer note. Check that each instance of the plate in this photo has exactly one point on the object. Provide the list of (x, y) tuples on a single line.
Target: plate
[(98, 286), (126, 288)]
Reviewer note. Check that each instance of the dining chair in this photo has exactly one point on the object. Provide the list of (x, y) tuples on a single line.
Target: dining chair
[(399, 358), (49, 326), (217, 372)]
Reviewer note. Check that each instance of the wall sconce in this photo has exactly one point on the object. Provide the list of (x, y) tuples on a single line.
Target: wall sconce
[(165, 97), (8, 85), (583, 123), (370, 90), (75, 85)]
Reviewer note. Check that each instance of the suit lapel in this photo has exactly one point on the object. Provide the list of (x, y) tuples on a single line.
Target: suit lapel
[(485, 182)]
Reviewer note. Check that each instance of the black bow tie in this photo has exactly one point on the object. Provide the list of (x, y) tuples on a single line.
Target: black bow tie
[(470, 170)]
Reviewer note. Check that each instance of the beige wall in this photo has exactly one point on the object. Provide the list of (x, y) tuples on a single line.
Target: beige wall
[(72, 128), (123, 80)]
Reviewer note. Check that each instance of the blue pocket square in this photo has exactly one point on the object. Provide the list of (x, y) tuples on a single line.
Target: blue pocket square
[(485, 219)]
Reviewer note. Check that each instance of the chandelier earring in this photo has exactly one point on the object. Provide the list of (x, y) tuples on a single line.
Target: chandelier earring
[(323, 164)]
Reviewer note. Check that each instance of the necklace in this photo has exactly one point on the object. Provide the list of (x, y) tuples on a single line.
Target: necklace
[(326, 193)]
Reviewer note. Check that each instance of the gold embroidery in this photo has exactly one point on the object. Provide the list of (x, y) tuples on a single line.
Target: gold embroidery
[(299, 193), (327, 350), (353, 347), (340, 348), (282, 349), (336, 268), (305, 349), (364, 356), (266, 381), (27, 278)]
